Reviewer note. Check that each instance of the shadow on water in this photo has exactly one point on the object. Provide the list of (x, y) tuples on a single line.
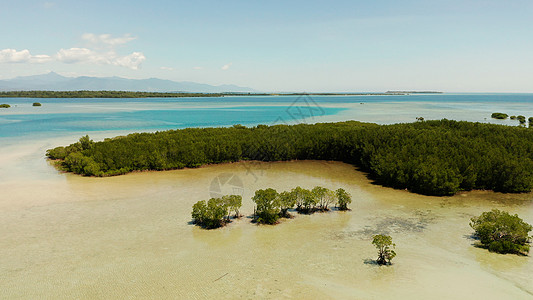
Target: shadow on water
[(369, 261), (471, 237)]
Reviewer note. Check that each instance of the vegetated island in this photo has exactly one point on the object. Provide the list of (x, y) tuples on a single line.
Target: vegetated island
[(521, 119), (128, 94), (414, 92), (499, 116), (426, 157), (5, 105)]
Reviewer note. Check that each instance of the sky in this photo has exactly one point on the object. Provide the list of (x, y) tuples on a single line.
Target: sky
[(275, 46)]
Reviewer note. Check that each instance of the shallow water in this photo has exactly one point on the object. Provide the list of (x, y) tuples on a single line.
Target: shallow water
[(66, 236), (60, 117)]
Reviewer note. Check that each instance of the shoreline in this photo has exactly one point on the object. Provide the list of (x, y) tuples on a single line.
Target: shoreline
[(129, 94)]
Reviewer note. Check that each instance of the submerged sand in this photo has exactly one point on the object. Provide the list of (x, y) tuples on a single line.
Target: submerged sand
[(66, 236)]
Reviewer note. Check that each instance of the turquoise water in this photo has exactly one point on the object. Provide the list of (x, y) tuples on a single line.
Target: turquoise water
[(59, 117)]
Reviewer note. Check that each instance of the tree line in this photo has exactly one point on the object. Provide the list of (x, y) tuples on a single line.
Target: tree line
[(101, 94), (427, 157), (270, 205), (139, 94)]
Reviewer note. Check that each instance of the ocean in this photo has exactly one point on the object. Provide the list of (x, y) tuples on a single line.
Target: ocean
[(67, 117)]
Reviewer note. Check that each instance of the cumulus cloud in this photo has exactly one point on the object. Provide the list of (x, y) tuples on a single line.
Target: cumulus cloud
[(93, 54), (12, 55), (131, 61), (81, 55), (74, 55), (22, 56), (226, 66), (166, 68), (107, 39)]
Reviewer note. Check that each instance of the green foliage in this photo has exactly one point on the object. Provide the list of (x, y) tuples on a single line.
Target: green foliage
[(211, 214), (384, 244), (530, 121), (501, 232), (323, 196), (286, 201), (512, 117), (498, 115), (270, 205), (36, 104), (267, 206), (521, 119), (5, 106), (309, 202), (300, 194), (82, 164), (57, 153), (86, 142), (233, 204), (343, 199), (430, 157)]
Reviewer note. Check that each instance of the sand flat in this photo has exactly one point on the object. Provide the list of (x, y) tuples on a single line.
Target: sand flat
[(67, 236)]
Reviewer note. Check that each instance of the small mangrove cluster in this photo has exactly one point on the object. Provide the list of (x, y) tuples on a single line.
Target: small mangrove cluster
[(216, 212), (8, 106), (270, 205), (502, 232), (521, 119)]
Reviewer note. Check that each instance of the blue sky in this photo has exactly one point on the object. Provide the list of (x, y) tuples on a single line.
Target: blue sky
[(454, 46)]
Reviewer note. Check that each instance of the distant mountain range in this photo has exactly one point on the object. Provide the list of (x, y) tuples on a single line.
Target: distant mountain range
[(55, 82)]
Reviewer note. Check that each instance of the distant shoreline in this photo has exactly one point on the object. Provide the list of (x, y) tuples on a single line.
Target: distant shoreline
[(126, 94)]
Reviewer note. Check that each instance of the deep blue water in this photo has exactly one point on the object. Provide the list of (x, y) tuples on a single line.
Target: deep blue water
[(73, 116)]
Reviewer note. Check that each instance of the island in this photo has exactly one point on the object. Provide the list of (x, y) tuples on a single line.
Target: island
[(426, 157), (130, 94)]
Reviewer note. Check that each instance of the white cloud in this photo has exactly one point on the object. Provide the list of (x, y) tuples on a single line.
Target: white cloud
[(84, 55), (41, 58), (226, 66), (22, 56), (74, 55), (107, 39), (131, 61), (14, 56), (198, 68), (93, 54), (166, 68)]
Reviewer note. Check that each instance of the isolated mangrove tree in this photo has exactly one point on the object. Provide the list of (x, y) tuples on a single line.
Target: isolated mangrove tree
[(385, 248)]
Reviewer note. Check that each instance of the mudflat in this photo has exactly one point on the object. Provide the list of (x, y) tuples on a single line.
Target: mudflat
[(67, 236)]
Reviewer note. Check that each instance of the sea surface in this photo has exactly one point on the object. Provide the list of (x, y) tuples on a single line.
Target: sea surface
[(59, 117)]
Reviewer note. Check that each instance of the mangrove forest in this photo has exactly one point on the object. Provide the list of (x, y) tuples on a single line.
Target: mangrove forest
[(426, 157)]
